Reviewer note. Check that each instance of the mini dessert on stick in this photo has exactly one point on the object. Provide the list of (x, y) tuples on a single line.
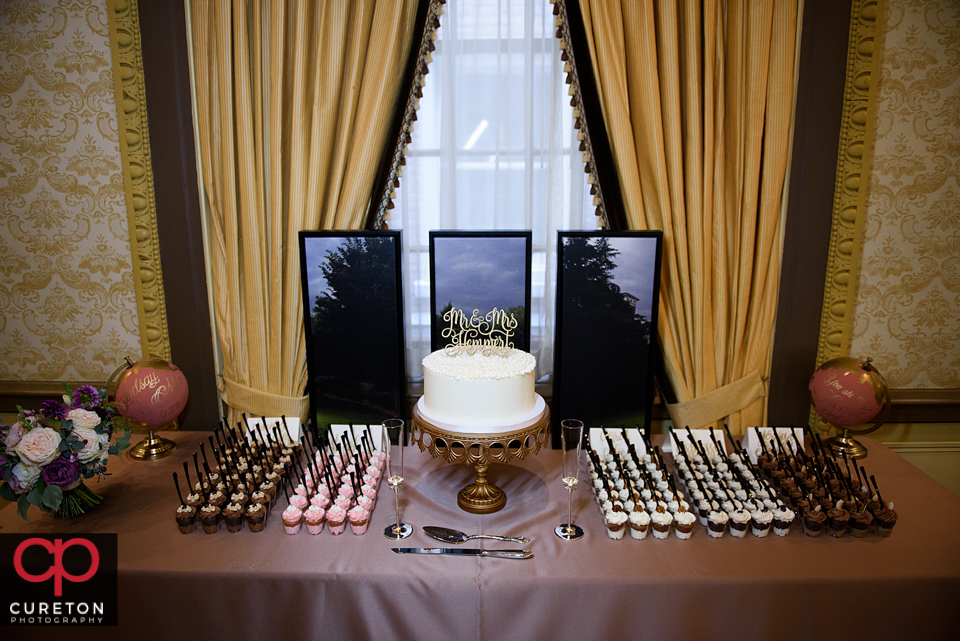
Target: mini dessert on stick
[(683, 523), (256, 515), (233, 517), (662, 520), (292, 518), (337, 519), (210, 519), (314, 519), (359, 519), (861, 521), (739, 521), (838, 520), (717, 523), (186, 514), (813, 522), (760, 521), (639, 524), (885, 519), (616, 524)]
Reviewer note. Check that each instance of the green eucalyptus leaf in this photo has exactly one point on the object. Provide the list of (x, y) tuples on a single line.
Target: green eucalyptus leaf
[(7, 493), (22, 506), (52, 497), (34, 497)]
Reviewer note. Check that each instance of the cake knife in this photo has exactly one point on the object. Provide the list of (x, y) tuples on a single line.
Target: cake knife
[(500, 554)]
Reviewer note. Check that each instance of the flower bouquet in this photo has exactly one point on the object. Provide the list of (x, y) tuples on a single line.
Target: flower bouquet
[(46, 456)]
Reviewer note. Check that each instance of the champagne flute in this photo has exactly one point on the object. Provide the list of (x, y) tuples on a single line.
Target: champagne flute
[(393, 429), (571, 436)]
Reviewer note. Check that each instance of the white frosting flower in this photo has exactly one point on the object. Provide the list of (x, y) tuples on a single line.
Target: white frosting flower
[(640, 518), (83, 418)]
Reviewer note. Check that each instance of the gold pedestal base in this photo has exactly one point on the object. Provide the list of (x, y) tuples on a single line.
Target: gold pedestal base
[(152, 448), (841, 445), (479, 451)]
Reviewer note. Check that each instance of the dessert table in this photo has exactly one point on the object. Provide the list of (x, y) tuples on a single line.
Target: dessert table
[(269, 585)]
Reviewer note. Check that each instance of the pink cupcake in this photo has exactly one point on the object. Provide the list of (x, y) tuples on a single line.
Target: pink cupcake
[(337, 518), (301, 490), (292, 518), (313, 517), (324, 490), (366, 503), (346, 490), (320, 501), (359, 520), (343, 502), (369, 491), (300, 502)]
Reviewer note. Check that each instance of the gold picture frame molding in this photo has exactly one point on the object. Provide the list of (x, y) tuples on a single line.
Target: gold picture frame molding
[(849, 198), (137, 168)]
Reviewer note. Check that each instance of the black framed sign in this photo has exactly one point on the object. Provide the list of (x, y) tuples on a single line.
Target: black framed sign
[(608, 287), (353, 319), (480, 270)]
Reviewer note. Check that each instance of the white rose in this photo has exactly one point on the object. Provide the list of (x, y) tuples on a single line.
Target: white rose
[(39, 446), (104, 439), (26, 475), (83, 418), (91, 449)]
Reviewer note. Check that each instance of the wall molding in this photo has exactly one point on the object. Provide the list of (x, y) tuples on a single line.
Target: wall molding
[(922, 447), (138, 176), (853, 161)]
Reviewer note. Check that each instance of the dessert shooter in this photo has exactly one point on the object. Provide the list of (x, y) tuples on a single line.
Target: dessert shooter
[(337, 519), (885, 519), (256, 515), (813, 522), (233, 517), (861, 522), (717, 523), (639, 524), (186, 518), (760, 522), (782, 518), (292, 518), (313, 518), (739, 521), (359, 519), (662, 520), (616, 524), (210, 519), (838, 520), (683, 523)]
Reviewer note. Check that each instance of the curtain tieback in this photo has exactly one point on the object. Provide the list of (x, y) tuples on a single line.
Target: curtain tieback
[(717, 404), (259, 403)]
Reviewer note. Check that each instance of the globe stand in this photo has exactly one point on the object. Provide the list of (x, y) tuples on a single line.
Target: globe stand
[(845, 446), (152, 448)]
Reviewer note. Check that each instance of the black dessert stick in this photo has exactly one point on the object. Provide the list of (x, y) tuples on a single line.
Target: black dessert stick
[(286, 428), (875, 487), (176, 482), (186, 473), (196, 466)]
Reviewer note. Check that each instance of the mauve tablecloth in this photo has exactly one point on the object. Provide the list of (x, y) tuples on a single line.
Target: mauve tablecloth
[(270, 585)]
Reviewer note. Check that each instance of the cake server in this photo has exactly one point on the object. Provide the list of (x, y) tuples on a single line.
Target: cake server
[(500, 554), (448, 535)]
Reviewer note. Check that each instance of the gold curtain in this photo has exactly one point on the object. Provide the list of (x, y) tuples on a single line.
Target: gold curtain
[(697, 99), (294, 102)]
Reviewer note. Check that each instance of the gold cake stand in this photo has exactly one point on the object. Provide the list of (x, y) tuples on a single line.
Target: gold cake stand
[(480, 450)]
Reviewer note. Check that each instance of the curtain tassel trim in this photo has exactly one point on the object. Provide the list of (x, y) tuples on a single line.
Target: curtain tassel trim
[(720, 403), (258, 403)]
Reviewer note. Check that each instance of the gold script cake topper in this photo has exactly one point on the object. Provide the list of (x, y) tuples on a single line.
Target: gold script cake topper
[(490, 334)]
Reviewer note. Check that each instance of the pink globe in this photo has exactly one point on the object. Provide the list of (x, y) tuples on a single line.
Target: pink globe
[(152, 391), (847, 391)]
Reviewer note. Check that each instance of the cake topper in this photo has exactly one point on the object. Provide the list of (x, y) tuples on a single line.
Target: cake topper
[(490, 334)]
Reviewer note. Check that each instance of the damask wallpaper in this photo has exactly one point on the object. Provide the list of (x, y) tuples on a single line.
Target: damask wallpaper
[(67, 298), (907, 309)]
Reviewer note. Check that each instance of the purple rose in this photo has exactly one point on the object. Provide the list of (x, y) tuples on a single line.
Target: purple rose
[(62, 471), (5, 462), (86, 396), (53, 409)]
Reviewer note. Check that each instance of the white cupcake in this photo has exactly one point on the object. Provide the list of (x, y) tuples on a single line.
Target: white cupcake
[(683, 524), (661, 524)]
